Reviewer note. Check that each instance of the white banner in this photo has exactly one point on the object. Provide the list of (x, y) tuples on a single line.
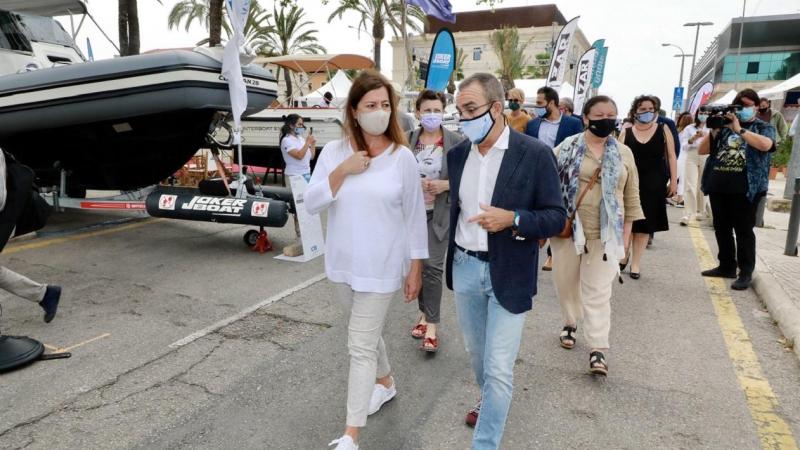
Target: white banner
[(558, 60), (232, 67), (583, 79), (701, 97), (310, 225)]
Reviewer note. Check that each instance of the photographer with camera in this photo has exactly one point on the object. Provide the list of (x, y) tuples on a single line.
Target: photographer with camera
[(735, 178)]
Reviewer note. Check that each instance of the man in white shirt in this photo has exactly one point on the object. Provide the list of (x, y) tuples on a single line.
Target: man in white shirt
[(505, 195)]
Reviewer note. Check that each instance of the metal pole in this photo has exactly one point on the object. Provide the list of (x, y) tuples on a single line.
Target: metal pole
[(794, 222), (739, 50), (680, 79), (694, 54)]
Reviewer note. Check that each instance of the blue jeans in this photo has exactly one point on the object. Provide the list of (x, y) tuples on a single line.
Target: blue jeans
[(492, 336)]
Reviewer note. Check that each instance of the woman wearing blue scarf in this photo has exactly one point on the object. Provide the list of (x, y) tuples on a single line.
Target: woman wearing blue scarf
[(600, 189)]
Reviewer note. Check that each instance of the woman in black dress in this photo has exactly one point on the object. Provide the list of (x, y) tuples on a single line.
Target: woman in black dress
[(654, 151)]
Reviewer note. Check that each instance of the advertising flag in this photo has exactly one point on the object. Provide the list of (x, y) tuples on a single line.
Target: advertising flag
[(232, 67), (599, 62), (441, 9), (442, 61), (583, 80), (558, 60), (701, 97)]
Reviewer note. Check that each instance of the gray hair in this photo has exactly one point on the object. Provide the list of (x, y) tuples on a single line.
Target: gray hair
[(568, 103), (492, 87)]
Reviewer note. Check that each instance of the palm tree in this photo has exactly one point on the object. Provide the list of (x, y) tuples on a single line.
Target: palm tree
[(511, 54), (187, 12), (290, 36), (458, 71), (374, 18), (128, 21)]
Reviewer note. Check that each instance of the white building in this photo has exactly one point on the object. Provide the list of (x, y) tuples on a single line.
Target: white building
[(537, 25)]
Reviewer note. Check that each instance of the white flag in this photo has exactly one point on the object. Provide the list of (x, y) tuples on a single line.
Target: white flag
[(583, 80), (558, 61), (232, 67)]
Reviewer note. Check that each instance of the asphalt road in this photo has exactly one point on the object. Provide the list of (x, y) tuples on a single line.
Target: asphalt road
[(274, 376)]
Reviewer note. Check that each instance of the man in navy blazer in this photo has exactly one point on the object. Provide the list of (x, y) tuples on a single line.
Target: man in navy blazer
[(505, 195), (550, 125)]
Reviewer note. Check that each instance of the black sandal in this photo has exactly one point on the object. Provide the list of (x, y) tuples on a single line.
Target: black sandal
[(597, 363), (567, 337)]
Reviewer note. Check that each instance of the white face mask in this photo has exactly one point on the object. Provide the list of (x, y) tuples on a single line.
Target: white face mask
[(375, 122)]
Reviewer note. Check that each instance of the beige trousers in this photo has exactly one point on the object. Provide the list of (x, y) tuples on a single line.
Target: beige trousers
[(21, 286), (693, 197), (368, 359), (583, 286)]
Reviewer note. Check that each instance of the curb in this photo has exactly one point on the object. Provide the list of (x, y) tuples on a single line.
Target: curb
[(782, 309)]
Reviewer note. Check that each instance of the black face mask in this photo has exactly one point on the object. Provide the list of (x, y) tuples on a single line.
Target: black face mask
[(602, 127), (763, 110)]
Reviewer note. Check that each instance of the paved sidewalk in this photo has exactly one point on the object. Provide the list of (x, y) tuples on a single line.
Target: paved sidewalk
[(777, 279)]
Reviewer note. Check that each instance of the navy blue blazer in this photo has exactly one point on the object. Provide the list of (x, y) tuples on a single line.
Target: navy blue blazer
[(569, 126), (528, 184)]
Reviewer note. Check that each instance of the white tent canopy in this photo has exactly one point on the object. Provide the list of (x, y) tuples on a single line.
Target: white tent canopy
[(779, 90), (725, 99), (339, 86)]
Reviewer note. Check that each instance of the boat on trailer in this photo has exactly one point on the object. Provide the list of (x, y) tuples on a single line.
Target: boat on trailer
[(261, 130), (117, 124)]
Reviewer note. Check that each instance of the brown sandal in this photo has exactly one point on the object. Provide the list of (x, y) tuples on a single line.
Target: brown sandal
[(430, 345)]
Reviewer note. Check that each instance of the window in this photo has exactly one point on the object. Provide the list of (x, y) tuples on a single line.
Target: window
[(759, 66), (752, 67), (11, 35), (476, 54)]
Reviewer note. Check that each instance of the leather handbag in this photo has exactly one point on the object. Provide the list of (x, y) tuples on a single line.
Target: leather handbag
[(567, 231)]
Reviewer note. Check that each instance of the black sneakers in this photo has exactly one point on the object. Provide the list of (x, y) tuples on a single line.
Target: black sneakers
[(719, 272)]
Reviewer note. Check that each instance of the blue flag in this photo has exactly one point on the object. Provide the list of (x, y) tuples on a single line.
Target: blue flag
[(442, 61), (89, 49), (441, 9)]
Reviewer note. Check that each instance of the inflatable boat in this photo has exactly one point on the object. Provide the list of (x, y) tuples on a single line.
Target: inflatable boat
[(121, 123)]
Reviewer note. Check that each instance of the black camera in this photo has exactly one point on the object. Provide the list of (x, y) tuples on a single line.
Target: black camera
[(716, 114)]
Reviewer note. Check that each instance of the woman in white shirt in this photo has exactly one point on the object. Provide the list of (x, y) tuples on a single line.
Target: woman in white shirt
[(377, 236), (297, 148), (693, 197)]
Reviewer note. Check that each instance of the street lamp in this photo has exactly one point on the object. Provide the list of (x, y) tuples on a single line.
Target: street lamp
[(682, 55), (696, 36), (683, 60)]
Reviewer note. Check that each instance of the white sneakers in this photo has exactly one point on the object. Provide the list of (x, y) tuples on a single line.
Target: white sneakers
[(344, 443), (380, 395)]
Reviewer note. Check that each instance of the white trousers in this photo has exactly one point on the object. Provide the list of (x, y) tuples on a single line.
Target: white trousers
[(21, 286), (682, 173), (368, 358), (693, 197), (583, 286)]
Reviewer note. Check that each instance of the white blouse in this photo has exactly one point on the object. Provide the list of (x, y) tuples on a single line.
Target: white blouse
[(376, 222)]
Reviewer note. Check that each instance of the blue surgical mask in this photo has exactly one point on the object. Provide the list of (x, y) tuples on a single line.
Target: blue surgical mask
[(645, 117), (746, 114), (540, 111), (702, 117), (300, 130), (478, 128)]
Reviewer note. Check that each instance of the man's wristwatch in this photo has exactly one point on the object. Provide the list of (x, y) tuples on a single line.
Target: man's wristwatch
[(516, 221), (742, 131)]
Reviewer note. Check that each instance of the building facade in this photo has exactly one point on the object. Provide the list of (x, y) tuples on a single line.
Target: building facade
[(538, 27), (770, 53)]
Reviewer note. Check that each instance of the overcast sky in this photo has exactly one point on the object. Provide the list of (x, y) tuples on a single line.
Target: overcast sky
[(634, 31)]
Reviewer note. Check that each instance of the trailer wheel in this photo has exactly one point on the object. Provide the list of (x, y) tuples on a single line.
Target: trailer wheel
[(250, 238)]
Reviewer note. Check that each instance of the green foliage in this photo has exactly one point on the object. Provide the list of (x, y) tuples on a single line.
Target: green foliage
[(783, 154), (511, 53)]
